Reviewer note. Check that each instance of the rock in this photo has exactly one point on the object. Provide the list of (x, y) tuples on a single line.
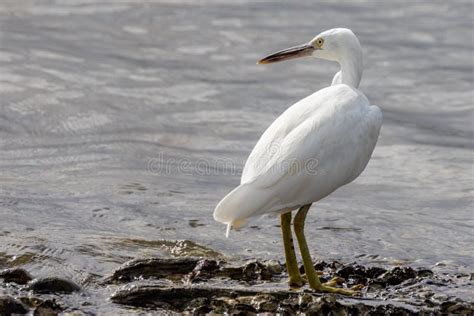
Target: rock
[(287, 308), (335, 265), (327, 305), (204, 269), (207, 296), (241, 301), (353, 274), (320, 265), (180, 297), (10, 306), (251, 271), (255, 270), (274, 266), (220, 304), (390, 309), (395, 276), (374, 272), (242, 309), (194, 270), (260, 303), (153, 268), (305, 299), (15, 275), (423, 273), (456, 307), (41, 307), (200, 306), (48, 308), (264, 303), (53, 285)]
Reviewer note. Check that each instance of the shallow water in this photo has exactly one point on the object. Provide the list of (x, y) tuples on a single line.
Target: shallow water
[(122, 125)]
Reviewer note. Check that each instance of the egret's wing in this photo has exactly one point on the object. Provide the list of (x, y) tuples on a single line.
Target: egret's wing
[(271, 143), (291, 153)]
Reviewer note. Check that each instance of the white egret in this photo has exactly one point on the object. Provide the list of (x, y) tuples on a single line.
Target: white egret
[(317, 145)]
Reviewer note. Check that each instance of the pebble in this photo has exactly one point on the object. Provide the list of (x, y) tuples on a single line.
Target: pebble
[(10, 306), (15, 275), (52, 285)]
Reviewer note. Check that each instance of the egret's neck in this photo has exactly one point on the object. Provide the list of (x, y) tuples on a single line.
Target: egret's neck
[(351, 69)]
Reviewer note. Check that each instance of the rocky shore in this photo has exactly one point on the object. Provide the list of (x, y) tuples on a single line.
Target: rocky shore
[(197, 285)]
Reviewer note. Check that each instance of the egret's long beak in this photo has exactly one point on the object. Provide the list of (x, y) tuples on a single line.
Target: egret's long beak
[(289, 53)]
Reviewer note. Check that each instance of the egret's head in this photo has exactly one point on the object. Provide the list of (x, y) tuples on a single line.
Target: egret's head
[(332, 44)]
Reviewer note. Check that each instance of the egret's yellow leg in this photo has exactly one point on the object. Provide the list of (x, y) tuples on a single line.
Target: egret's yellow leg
[(290, 256), (311, 274)]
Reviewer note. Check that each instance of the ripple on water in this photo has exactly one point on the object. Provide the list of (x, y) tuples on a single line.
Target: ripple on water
[(175, 248)]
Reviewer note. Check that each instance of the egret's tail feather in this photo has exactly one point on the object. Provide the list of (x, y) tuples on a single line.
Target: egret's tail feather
[(241, 203), (227, 232)]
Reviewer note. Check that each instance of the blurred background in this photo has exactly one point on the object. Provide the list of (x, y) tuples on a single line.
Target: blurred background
[(122, 124)]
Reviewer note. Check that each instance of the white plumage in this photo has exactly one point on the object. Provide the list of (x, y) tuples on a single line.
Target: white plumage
[(317, 145)]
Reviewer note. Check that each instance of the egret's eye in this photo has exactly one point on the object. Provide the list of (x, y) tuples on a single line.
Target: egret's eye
[(319, 42)]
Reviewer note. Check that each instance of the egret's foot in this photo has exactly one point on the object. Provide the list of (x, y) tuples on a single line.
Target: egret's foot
[(337, 290), (334, 281), (357, 287), (311, 275)]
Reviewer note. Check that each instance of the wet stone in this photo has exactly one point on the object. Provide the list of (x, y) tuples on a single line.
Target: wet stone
[(242, 309), (201, 286), (53, 285), (220, 304), (204, 269), (320, 265), (287, 309), (264, 303), (204, 299), (48, 308), (326, 306), (424, 273), (193, 270), (200, 306), (353, 274), (252, 271), (10, 306), (390, 309), (180, 297), (374, 272), (153, 268), (274, 266), (396, 276), (305, 299), (458, 308), (41, 306), (16, 275), (335, 265), (256, 271)]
